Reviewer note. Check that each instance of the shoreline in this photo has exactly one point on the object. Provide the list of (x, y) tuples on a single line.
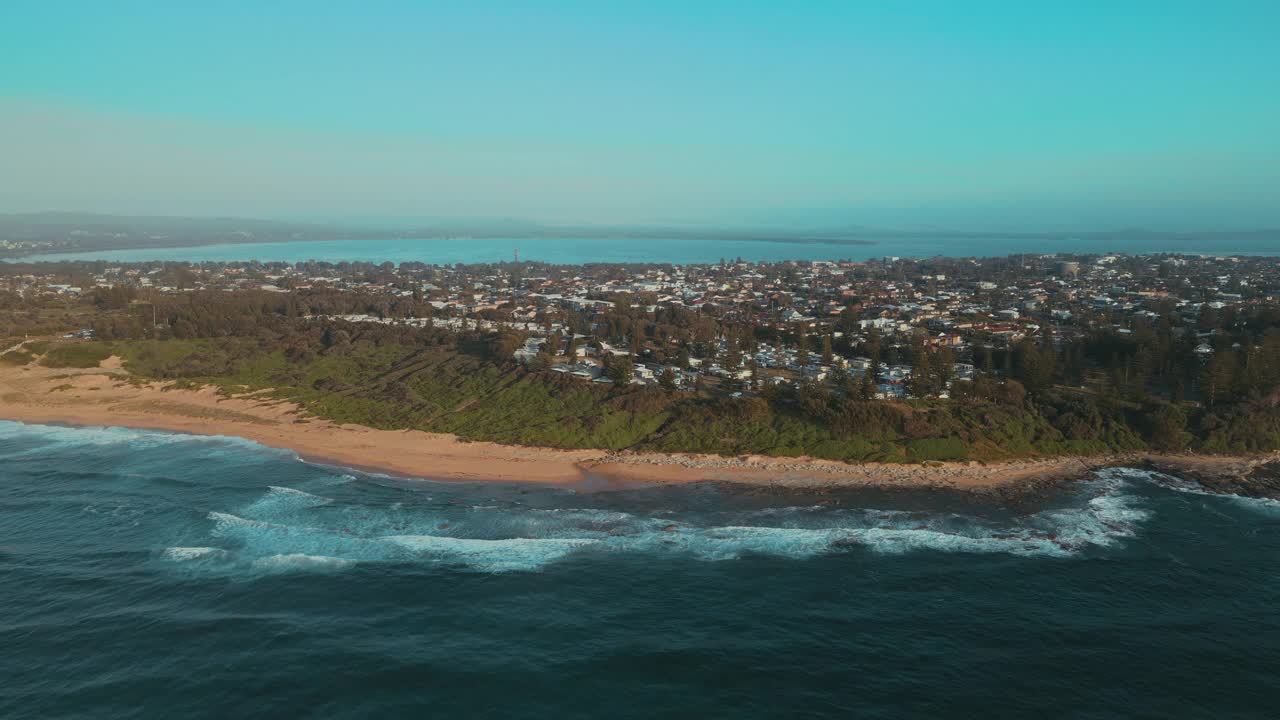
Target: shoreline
[(103, 397)]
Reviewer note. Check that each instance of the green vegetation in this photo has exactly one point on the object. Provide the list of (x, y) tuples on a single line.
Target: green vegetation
[(393, 387), (461, 390), (1099, 391), (21, 356), (76, 355)]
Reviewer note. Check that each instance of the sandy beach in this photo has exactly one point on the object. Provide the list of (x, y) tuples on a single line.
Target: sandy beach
[(104, 396)]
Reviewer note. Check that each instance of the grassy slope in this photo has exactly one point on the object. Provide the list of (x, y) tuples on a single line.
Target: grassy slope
[(396, 387)]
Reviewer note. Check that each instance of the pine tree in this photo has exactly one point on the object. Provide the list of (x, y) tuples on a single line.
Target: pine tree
[(921, 382), (619, 368), (869, 379), (1217, 376), (667, 380)]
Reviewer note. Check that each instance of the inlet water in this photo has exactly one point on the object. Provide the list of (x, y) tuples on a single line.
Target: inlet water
[(573, 251)]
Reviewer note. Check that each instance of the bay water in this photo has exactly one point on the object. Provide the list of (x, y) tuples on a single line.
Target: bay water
[(570, 251)]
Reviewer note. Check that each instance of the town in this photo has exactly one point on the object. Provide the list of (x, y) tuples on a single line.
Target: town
[(738, 327)]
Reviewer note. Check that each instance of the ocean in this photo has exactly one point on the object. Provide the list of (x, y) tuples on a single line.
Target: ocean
[(151, 574), (574, 251)]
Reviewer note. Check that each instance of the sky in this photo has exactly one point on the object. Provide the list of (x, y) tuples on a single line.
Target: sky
[(931, 113)]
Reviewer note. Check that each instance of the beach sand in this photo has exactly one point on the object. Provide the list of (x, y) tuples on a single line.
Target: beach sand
[(104, 396)]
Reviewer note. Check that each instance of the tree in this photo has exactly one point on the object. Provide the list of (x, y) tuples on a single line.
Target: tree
[(867, 386), (1217, 376), (872, 346), (502, 347), (921, 381), (667, 380), (1033, 369), (1167, 427), (335, 338), (732, 360), (944, 365), (619, 368), (542, 361)]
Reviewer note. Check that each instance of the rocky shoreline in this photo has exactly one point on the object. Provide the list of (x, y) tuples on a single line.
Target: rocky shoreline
[(1013, 481), (1247, 476)]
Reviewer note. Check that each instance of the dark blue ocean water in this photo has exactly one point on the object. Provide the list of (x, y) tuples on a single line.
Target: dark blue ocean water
[(665, 250), (148, 574)]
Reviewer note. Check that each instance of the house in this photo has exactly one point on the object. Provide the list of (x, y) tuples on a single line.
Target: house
[(531, 348)]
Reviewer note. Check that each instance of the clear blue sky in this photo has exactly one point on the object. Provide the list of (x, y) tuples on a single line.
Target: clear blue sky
[(1053, 115)]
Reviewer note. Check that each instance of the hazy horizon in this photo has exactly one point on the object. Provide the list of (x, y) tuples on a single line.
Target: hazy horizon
[(984, 117), (516, 227)]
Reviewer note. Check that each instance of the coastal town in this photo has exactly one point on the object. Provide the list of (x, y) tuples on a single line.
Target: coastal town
[(736, 327)]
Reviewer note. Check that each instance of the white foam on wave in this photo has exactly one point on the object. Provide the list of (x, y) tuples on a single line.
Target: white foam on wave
[(568, 522), (897, 541), (1108, 515), (299, 494), (107, 434), (290, 523), (285, 499), (183, 554), (731, 542), (1106, 518), (301, 562), (1267, 506), (734, 542), (257, 538), (501, 555), (223, 521)]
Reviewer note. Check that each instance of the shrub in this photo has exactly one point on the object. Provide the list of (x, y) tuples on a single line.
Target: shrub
[(77, 355)]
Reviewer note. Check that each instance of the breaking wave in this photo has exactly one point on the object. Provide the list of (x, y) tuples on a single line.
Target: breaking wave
[(1266, 506), (289, 527), (298, 562), (68, 436), (181, 554), (489, 555)]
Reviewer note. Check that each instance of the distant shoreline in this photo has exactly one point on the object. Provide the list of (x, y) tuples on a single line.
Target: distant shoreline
[(62, 255), (66, 234), (395, 250), (102, 397)]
